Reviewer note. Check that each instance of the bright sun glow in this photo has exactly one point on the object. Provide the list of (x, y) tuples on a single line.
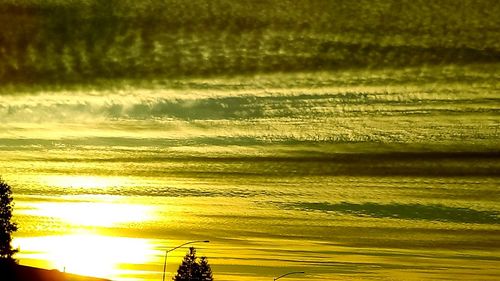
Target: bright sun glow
[(88, 254), (90, 213)]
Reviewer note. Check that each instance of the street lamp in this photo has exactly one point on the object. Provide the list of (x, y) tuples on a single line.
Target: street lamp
[(289, 273), (182, 245)]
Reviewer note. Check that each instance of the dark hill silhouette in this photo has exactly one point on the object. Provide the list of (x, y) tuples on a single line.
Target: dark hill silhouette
[(11, 271)]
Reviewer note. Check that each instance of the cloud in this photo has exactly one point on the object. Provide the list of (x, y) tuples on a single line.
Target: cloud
[(431, 212), (297, 104), (444, 115)]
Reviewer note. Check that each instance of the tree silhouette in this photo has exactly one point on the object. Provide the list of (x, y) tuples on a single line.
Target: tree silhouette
[(192, 270), (205, 270), (6, 226)]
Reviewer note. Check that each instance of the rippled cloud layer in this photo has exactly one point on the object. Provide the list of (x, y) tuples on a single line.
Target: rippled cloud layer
[(280, 109)]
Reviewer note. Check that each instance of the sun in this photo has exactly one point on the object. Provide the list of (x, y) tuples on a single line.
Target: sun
[(89, 254), (85, 249)]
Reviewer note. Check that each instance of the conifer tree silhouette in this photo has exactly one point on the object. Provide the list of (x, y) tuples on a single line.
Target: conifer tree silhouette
[(6, 226), (205, 270), (192, 270)]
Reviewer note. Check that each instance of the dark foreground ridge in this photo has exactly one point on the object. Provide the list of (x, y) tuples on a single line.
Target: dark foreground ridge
[(14, 272)]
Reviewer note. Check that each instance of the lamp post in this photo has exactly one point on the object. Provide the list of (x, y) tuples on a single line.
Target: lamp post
[(286, 274), (182, 245)]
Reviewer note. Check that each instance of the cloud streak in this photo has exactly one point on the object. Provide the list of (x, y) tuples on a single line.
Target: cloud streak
[(281, 109)]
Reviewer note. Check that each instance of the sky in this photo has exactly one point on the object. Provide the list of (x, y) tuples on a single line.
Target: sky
[(347, 140)]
